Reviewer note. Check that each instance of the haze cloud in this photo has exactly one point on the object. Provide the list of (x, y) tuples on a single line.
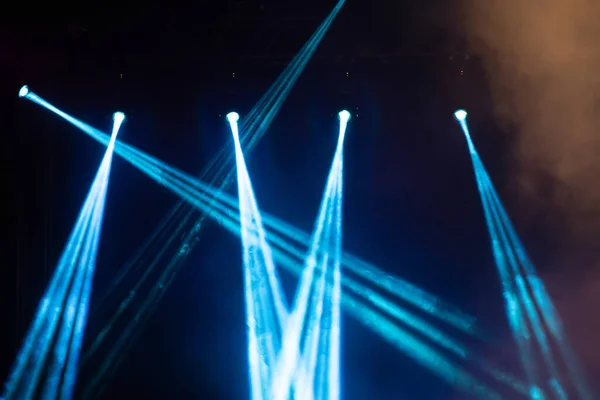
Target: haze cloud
[(543, 63)]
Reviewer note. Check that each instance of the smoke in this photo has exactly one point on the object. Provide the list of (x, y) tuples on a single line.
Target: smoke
[(543, 63), (577, 292)]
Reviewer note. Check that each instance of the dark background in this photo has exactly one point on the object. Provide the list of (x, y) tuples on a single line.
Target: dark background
[(411, 204)]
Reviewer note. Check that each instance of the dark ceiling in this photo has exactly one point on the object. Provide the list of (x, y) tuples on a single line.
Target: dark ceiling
[(135, 37)]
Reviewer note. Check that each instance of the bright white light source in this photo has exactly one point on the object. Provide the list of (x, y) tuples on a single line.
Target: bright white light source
[(24, 91), (118, 117), (344, 116), (460, 115), (233, 117)]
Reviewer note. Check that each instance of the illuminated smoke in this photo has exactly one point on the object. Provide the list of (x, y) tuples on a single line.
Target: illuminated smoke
[(543, 63)]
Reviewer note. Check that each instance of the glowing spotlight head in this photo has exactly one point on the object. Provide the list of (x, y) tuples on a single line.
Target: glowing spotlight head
[(344, 115), (232, 117), (24, 91), (460, 115), (119, 117)]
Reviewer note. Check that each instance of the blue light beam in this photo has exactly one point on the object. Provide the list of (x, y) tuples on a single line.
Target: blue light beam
[(60, 318), (520, 282), (323, 255), (262, 293)]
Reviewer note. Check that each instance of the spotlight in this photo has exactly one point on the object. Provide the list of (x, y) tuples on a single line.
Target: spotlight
[(344, 116), (119, 117), (460, 115), (24, 91), (232, 117)]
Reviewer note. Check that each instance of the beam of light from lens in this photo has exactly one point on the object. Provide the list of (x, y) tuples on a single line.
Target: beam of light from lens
[(514, 309), (81, 304), (68, 345), (60, 319), (321, 253), (336, 291), (261, 294), (511, 259), (328, 375), (319, 354)]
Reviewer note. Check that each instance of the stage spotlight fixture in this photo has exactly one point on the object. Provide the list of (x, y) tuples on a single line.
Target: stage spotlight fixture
[(232, 117), (344, 115), (24, 91), (119, 117), (460, 115)]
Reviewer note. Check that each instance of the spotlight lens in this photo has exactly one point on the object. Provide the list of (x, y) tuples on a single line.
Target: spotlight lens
[(119, 116), (24, 91), (233, 117), (460, 115), (344, 115)]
